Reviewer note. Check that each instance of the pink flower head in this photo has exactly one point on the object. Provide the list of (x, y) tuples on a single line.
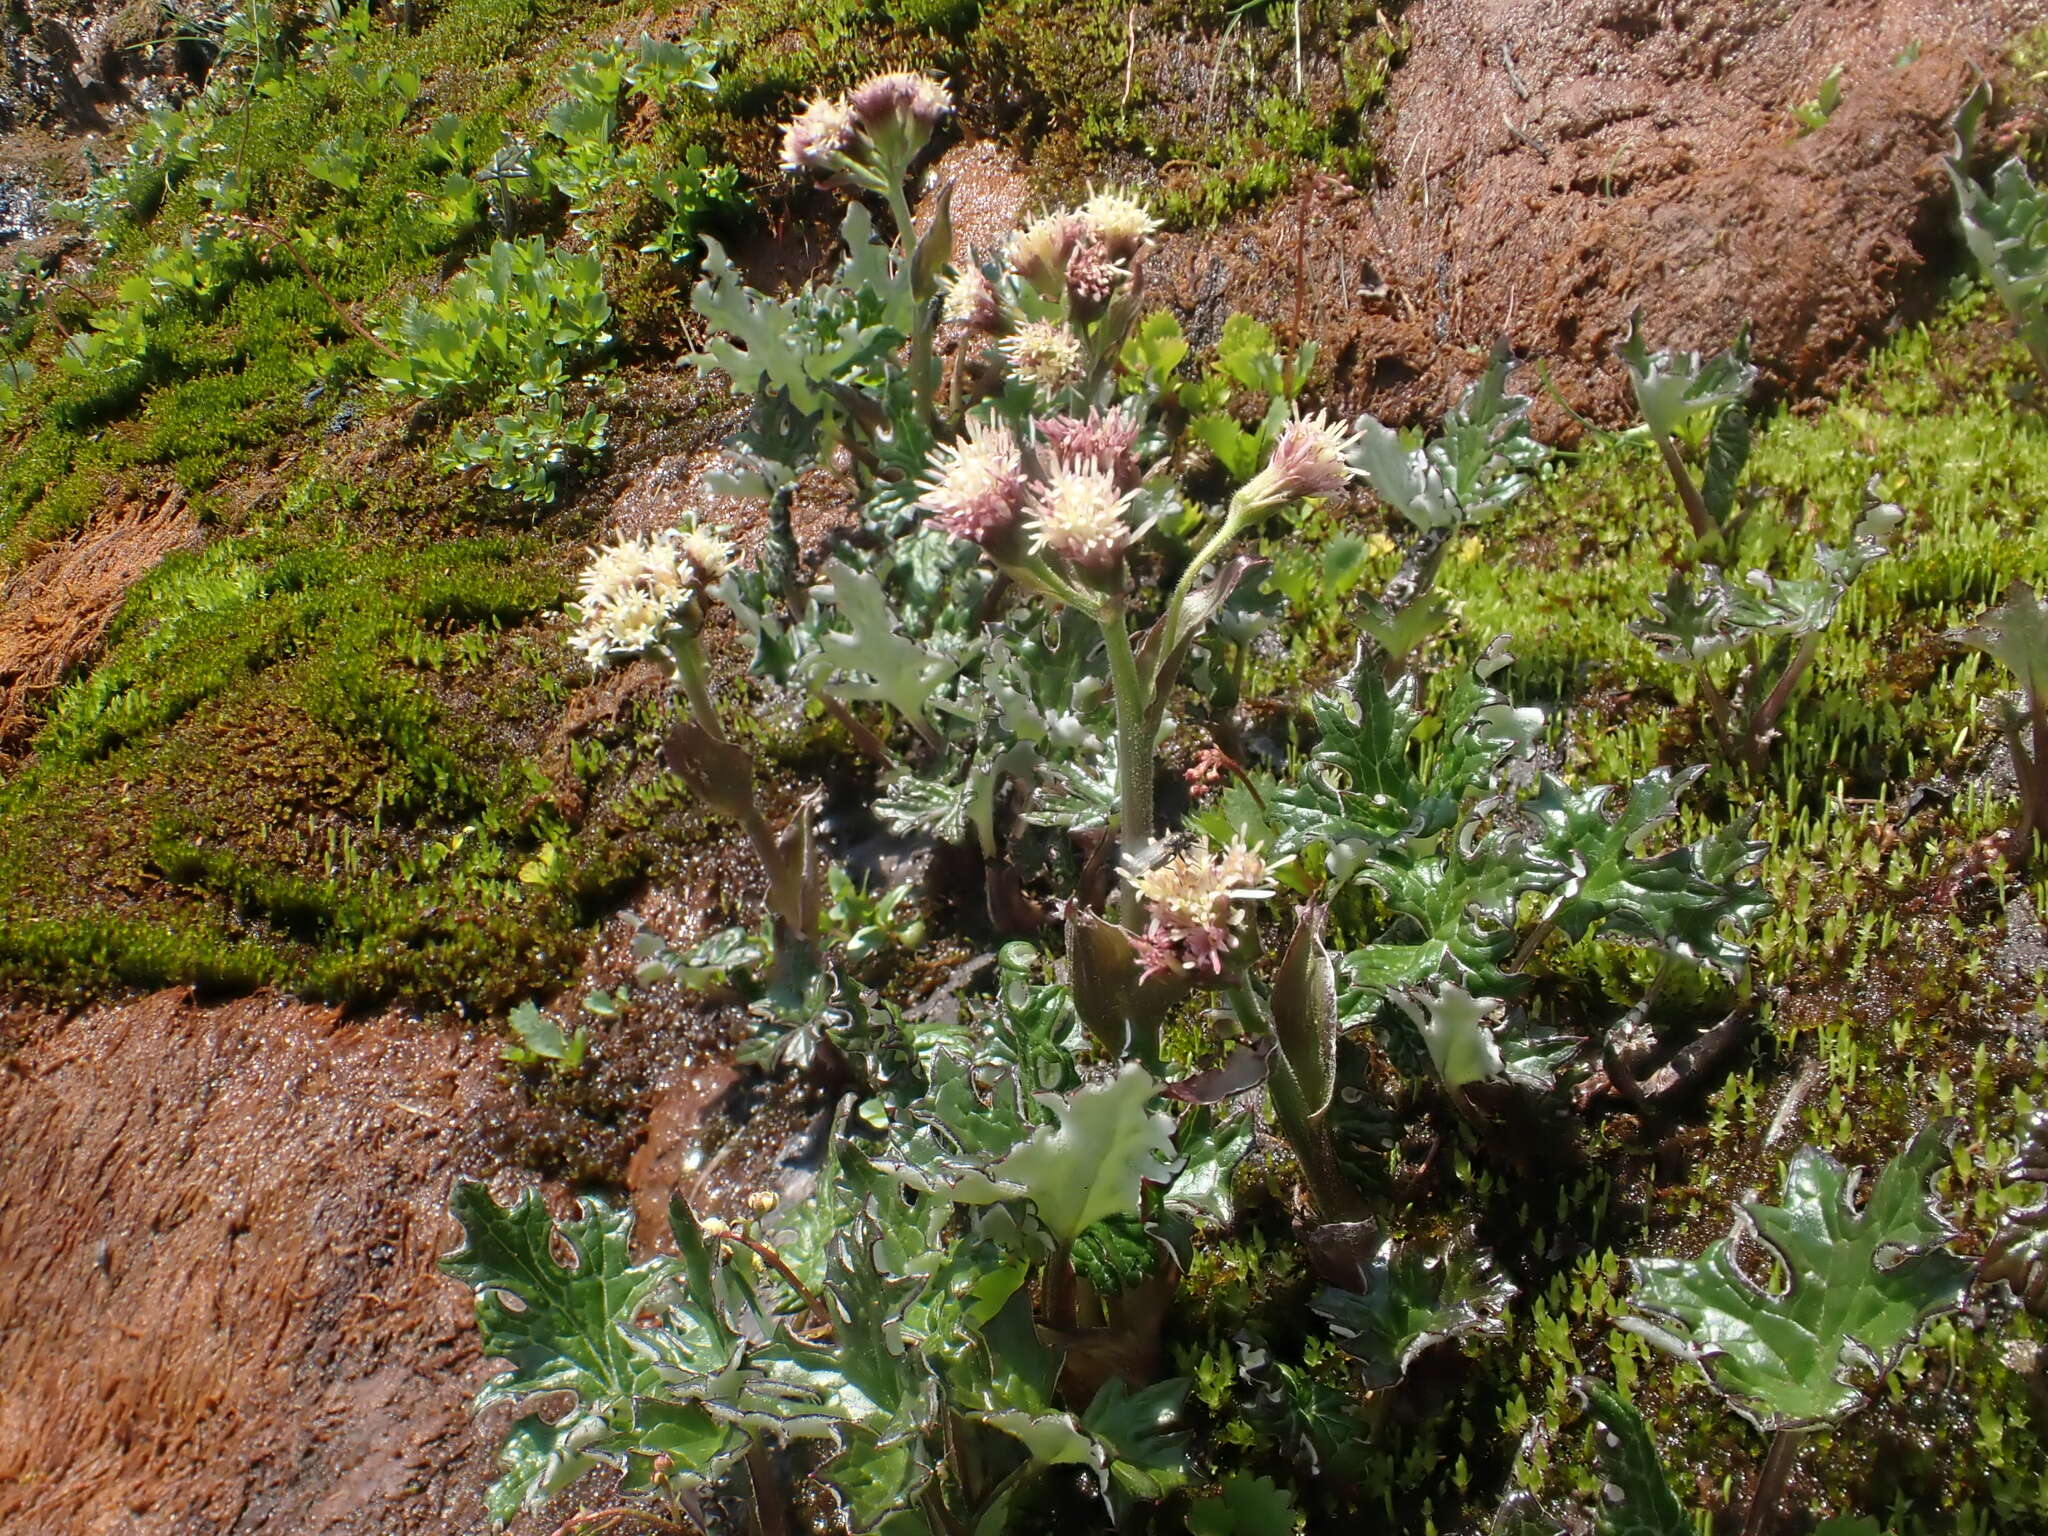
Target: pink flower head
[(1193, 916), (1158, 953), (1212, 765), (1106, 440), (1078, 515), (817, 139), (904, 97), (1308, 460), (896, 114), (976, 489)]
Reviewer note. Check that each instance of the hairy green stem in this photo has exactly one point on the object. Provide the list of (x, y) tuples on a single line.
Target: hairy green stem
[(695, 677), (1703, 525), (924, 386), (1133, 759), (1235, 521)]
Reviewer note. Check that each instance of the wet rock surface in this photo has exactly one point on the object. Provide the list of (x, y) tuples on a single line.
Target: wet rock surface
[(221, 1312), (1554, 164), (80, 67)]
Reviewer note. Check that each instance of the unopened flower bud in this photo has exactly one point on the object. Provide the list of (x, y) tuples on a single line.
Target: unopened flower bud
[(971, 300), (1105, 440), (1308, 460), (883, 99), (898, 112)]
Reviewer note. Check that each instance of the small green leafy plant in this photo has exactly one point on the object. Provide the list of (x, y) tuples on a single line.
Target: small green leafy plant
[(516, 329), (540, 1039), (2006, 229), (1748, 643)]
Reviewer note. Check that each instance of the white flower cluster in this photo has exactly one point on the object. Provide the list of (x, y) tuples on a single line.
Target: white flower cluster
[(635, 589), (1076, 506), (1193, 916)]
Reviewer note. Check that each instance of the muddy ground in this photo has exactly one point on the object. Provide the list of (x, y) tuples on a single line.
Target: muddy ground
[(218, 1222)]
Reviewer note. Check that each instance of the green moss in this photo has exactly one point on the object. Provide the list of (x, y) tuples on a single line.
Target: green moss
[(1200, 99)]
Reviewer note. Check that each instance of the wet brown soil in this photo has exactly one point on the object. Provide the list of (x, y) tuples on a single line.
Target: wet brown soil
[(221, 1311), (220, 1224), (1554, 164)]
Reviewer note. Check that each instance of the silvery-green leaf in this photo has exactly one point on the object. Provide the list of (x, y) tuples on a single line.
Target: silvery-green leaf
[(1672, 387), (1409, 1298), (1096, 1161), (1456, 1029), (2016, 634), (866, 656), (2006, 228)]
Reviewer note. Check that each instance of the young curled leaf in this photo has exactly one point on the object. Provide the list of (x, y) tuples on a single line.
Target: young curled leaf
[(1636, 1499), (1305, 1019), (1409, 1299)]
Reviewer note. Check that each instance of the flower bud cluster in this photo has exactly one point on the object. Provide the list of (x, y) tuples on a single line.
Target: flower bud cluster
[(868, 137), (634, 591), (1193, 907), (1083, 253)]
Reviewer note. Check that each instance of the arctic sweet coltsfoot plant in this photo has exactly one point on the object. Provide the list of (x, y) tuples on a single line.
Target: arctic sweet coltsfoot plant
[(644, 597), (1482, 459), (891, 1322), (1858, 1286), (961, 1328), (1749, 642), (1690, 402)]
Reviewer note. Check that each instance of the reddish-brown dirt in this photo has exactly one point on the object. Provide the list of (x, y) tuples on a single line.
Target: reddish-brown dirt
[(54, 609), (1554, 164), (221, 1312)]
